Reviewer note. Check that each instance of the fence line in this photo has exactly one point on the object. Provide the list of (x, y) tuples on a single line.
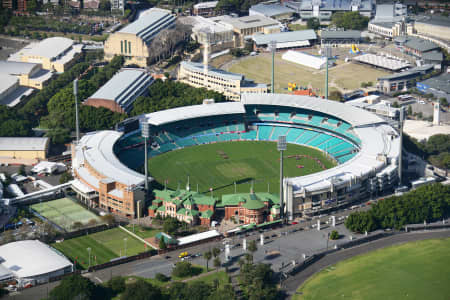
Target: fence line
[(137, 237)]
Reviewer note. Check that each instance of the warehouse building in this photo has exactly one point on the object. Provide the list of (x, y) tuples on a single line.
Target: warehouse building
[(29, 148), (402, 81), (439, 86), (133, 41), (417, 47), (248, 25), (101, 180), (120, 92), (54, 54), (285, 40), (323, 9), (434, 26), (338, 38), (31, 262), (271, 10)]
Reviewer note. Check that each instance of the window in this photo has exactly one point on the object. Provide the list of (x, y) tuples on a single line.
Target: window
[(125, 46), (129, 47), (121, 46)]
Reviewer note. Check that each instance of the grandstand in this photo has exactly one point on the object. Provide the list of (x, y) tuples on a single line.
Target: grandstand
[(365, 147)]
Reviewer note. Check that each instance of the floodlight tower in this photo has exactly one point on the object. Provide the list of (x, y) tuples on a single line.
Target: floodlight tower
[(273, 49), (75, 93), (281, 146), (145, 130), (400, 159)]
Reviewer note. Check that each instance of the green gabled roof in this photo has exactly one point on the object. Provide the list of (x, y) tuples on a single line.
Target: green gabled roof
[(200, 199), (187, 202), (233, 199), (156, 201), (153, 207), (207, 214), (192, 212), (181, 211), (164, 194), (253, 203), (161, 209)]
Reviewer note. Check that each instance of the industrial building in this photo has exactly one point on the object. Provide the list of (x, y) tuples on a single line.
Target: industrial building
[(232, 85), (54, 54), (305, 59), (248, 25), (323, 9), (133, 40), (31, 262), (417, 47), (205, 9), (338, 38), (120, 92), (19, 79), (28, 148), (285, 40), (271, 10), (102, 180), (402, 81), (439, 86)]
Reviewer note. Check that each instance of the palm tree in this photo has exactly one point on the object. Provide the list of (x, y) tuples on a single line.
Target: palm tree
[(207, 255), (217, 263), (215, 252)]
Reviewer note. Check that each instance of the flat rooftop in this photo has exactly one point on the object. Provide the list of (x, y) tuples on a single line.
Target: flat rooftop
[(382, 62), (247, 22), (285, 37)]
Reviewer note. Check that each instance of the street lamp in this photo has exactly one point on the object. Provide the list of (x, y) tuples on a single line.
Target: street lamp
[(125, 240), (281, 146), (273, 49), (89, 251)]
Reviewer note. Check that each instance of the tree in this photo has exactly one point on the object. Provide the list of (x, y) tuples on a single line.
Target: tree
[(171, 225), (65, 177), (74, 287), (217, 263), (252, 247), (22, 170), (395, 104), (105, 5), (223, 293), (108, 219), (313, 23), (141, 290), (162, 277), (334, 235), (198, 290), (183, 269), (116, 284), (410, 111), (349, 20), (162, 244), (443, 101), (215, 252), (207, 255)]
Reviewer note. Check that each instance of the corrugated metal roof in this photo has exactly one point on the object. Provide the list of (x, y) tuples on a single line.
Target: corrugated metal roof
[(284, 37), (337, 5), (124, 87), (208, 4), (270, 10), (411, 72), (247, 21), (441, 83), (17, 68), (49, 48), (194, 111), (150, 23), (433, 55), (340, 34), (420, 44), (198, 67), (23, 143)]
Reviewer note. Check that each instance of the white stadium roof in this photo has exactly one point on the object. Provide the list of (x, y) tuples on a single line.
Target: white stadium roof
[(197, 237), (382, 62), (96, 149), (194, 111), (348, 113), (31, 258), (23, 143)]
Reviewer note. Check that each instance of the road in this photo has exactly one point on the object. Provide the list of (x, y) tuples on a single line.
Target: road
[(291, 284)]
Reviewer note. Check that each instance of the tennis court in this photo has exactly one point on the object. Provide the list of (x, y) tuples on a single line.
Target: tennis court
[(65, 212)]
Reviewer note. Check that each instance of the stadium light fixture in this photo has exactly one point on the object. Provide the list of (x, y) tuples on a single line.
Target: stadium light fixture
[(145, 131), (75, 94), (273, 49), (281, 146)]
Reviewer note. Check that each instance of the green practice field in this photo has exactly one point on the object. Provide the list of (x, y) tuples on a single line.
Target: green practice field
[(345, 75), (219, 165), (416, 270), (64, 212), (105, 245)]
